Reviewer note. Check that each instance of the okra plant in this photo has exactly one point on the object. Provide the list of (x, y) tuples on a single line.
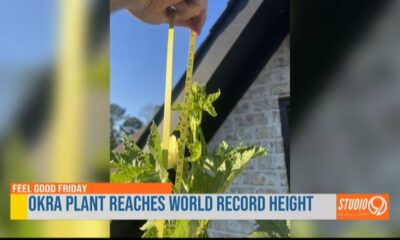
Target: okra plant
[(202, 171)]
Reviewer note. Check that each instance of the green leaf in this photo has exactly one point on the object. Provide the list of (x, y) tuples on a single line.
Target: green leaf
[(134, 165), (132, 154), (204, 152), (154, 141), (201, 228), (194, 125), (177, 106), (257, 234), (203, 172), (197, 89), (208, 105), (213, 96), (149, 224), (154, 144), (127, 173), (234, 161), (271, 228), (181, 229), (206, 182), (241, 159), (195, 150), (150, 229), (210, 109), (186, 229)]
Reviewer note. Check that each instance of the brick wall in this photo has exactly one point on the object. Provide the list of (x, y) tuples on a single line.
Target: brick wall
[(256, 120)]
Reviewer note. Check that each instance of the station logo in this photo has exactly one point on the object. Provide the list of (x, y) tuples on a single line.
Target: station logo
[(362, 206)]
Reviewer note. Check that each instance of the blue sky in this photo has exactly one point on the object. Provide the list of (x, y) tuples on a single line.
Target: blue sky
[(27, 42), (27, 32), (138, 55)]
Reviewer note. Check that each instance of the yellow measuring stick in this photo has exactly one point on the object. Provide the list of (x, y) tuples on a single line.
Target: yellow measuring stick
[(184, 120), (167, 107), (168, 90)]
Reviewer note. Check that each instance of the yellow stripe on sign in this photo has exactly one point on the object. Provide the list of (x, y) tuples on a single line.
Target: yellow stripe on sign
[(18, 206)]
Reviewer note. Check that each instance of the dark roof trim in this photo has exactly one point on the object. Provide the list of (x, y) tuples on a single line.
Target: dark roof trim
[(247, 57), (242, 64)]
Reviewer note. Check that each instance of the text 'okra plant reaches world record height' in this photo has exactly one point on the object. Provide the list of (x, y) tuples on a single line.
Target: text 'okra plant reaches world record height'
[(197, 170)]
